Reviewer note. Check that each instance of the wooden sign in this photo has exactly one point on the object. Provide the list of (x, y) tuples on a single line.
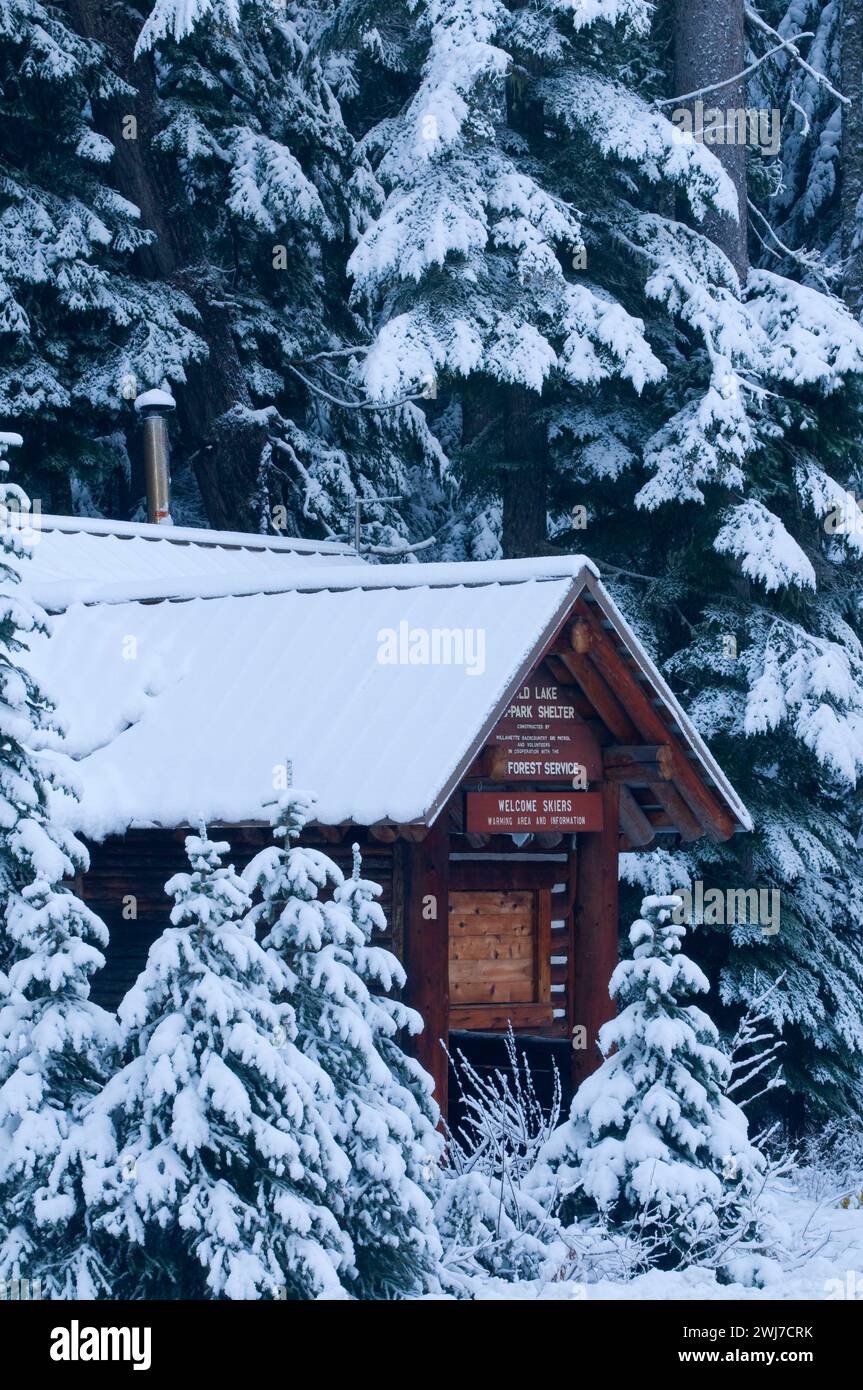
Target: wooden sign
[(542, 738), (507, 813)]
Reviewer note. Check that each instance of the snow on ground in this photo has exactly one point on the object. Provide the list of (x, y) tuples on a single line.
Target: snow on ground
[(834, 1272)]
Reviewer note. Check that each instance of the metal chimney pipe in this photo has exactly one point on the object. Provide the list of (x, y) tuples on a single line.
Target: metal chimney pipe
[(154, 407)]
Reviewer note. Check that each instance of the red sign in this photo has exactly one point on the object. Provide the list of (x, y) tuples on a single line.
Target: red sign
[(508, 813), (542, 737)]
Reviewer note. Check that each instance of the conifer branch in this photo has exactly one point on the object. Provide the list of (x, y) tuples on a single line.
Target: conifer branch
[(789, 44), (353, 405)]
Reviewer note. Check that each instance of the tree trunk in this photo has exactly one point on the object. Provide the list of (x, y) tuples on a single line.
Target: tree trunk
[(227, 449), (709, 47), (851, 84), (525, 477)]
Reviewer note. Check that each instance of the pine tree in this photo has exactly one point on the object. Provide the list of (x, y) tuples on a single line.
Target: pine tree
[(753, 606), (77, 322), (797, 223), (56, 1051), (476, 261), (255, 188), (651, 1131), (56, 1047), (386, 1114), (543, 234), (228, 1164)]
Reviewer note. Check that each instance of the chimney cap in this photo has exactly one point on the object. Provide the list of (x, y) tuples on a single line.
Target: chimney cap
[(156, 402)]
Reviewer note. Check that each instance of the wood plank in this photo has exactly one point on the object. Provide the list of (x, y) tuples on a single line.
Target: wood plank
[(469, 907), (499, 946), (490, 947), (492, 900), (504, 875), (487, 968), (493, 1018), (492, 991), (481, 928), (495, 974)]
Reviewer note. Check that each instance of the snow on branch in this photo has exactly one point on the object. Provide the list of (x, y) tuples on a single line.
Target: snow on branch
[(354, 405), (789, 44), (755, 1048)]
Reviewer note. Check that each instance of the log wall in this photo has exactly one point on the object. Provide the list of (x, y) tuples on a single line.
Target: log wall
[(125, 885)]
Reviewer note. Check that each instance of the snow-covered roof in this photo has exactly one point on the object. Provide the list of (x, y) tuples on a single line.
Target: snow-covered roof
[(79, 559), (189, 707)]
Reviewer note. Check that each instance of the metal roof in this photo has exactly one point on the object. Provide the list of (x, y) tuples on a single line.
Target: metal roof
[(185, 684)]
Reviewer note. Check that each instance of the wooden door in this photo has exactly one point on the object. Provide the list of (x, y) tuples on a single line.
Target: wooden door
[(499, 958)]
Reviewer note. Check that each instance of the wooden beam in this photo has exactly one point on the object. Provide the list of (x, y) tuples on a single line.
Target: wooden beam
[(596, 928), (580, 637), (678, 811), (476, 840), (612, 666), (384, 833), (427, 950), (571, 880), (414, 834), (603, 699), (482, 763), (398, 908), (633, 822), (638, 764)]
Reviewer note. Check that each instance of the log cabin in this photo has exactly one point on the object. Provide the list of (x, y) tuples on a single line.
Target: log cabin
[(492, 734)]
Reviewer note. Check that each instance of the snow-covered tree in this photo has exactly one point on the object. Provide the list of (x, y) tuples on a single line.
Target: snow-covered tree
[(541, 252), (254, 188), (798, 194), (386, 1115), (56, 1051), (56, 1047), (228, 1167), (77, 318), (651, 1133)]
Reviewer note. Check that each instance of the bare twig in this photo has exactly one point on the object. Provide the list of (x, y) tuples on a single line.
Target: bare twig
[(352, 405), (795, 53), (738, 76)]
